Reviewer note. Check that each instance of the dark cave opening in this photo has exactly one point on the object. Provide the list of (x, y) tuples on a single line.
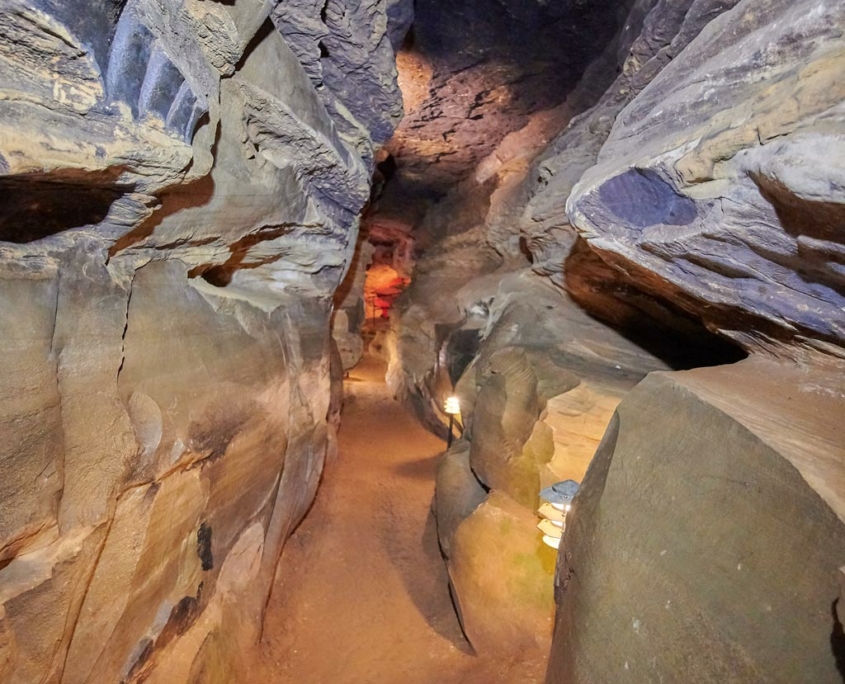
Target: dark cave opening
[(32, 209)]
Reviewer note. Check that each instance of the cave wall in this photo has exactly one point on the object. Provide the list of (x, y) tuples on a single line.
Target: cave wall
[(181, 189), (706, 171), (679, 206), (349, 307), (716, 188)]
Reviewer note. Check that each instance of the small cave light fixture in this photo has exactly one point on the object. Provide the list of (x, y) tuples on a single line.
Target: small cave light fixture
[(557, 503), (452, 408)]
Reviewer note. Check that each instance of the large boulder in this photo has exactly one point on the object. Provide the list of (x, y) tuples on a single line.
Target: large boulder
[(706, 542)]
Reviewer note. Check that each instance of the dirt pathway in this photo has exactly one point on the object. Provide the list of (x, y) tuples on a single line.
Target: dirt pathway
[(362, 594)]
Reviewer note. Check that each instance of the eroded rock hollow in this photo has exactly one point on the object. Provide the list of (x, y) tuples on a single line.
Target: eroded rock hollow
[(614, 230)]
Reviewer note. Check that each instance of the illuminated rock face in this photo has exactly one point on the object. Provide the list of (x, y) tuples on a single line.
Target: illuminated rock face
[(749, 192), (535, 400), (706, 192), (596, 187), (181, 186)]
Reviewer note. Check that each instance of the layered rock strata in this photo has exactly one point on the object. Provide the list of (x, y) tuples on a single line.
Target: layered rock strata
[(712, 194), (181, 190), (720, 197), (534, 403)]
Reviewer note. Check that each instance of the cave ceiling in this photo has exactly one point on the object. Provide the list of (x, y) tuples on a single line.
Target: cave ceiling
[(473, 72)]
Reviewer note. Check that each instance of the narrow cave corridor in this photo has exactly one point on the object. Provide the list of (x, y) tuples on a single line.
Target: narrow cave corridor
[(362, 592), (422, 341)]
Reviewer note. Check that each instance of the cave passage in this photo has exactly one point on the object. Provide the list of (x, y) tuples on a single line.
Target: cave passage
[(362, 591), (252, 254)]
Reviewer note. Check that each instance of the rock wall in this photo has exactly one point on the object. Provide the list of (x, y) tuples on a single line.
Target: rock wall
[(534, 402), (743, 194), (709, 193), (349, 310), (181, 183), (688, 184)]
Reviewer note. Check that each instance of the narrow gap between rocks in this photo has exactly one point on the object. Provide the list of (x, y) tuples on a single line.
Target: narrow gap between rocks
[(422, 342)]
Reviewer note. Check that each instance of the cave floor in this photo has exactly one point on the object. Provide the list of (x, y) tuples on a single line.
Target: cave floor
[(362, 592)]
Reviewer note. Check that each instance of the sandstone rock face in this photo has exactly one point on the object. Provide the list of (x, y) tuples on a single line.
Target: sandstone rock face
[(518, 59), (514, 207), (655, 34), (501, 577), (703, 189), (181, 191), (720, 196), (535, 400), (349, 309), (458, 493)]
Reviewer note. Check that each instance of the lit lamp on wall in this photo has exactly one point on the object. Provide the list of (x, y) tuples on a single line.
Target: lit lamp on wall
[(452, 407)]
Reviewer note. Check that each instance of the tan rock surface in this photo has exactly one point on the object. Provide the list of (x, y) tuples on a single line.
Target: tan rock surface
[(30, 412), (457, 493), (501, 573), (180, 201), (37, 586), (577, 420)]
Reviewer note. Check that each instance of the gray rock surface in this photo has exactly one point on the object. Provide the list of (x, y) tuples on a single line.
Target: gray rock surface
[(655, 33), (745, 189)]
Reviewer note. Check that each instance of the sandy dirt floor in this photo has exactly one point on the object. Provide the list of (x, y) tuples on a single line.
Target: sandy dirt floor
[(362, 592)]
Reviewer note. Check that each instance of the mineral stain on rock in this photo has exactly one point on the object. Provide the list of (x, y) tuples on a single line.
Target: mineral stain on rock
[(144, 650), (643, 198), (214, 432), (204, 546), (181, 618)]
